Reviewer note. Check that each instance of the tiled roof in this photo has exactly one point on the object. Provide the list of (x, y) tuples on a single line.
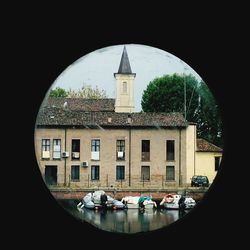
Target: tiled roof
[(82, 104), (205, 146), (53, 117)]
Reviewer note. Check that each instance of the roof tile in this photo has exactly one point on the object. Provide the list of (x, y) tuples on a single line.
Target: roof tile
[(54, 116), (205, 146), (106, 104)]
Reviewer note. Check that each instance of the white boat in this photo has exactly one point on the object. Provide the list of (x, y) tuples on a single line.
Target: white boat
[(86, 202), (133, 202), (96, 198), (171, 201), (118, 205), (93, 201)]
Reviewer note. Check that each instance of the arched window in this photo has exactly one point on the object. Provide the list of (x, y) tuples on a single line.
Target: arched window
[(124, 87)]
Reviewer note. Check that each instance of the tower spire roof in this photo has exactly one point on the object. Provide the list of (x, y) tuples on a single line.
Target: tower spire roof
[(124, 67)]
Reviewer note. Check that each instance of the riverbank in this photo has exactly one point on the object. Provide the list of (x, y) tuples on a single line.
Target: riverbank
[(78, 193)]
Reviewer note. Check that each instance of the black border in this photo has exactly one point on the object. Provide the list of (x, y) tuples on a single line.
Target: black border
[(48, 56)]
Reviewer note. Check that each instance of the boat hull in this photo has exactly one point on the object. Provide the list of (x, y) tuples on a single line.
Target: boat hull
[(173, 204), (93, 201)]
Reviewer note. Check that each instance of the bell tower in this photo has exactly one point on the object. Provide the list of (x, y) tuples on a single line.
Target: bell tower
[(124, 101)]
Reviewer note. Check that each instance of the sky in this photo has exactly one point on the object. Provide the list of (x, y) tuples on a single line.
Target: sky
[(98, 67)]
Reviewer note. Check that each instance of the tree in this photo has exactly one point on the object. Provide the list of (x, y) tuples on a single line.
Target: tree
[(58, 92), (209, 124), (87, 92), (166, 94)]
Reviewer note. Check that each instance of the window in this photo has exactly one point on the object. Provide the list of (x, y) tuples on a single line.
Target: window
[(120, 149), (46, 148), (95, 149), (170, 173), (57, 149), (75, 173), (46, 144), (75, 149), (145, 173), (170, 150), (95, 145), (95, 172), (120, 170), (217, 160), (124, 88), (145, 150)]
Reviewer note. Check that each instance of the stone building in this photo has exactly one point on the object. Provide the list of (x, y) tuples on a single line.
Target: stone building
[(104, 143)]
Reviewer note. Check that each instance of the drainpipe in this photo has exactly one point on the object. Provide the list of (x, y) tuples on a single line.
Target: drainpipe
[(129, 152), (180, 157), (194, 146), (65, 143), (129, 164)]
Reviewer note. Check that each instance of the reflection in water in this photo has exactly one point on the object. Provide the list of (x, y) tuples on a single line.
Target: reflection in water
[(127, 220)]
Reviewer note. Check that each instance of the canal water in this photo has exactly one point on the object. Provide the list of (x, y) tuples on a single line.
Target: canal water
[(124, 221)]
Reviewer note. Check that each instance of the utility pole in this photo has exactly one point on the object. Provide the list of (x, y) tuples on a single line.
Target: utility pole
[(185, 94), (185, 97)]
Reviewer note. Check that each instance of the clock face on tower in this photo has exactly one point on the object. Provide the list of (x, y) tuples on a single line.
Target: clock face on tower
[(128, 139)]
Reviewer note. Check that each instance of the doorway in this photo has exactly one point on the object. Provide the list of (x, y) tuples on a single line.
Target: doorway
[(51, 175)]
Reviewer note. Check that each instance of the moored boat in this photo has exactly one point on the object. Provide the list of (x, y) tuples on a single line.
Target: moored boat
[(133, 202), (99, 199), (176, 201)]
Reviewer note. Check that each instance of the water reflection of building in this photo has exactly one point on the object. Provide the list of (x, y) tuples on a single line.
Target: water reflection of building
[(129, 221), (90, 143)]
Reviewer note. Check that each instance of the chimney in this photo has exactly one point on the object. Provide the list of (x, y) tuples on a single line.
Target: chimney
[(129, 119)]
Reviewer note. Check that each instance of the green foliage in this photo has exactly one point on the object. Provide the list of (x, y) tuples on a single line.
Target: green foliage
[(166, 94), (209, 124), (58, 92), (87, 92)]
